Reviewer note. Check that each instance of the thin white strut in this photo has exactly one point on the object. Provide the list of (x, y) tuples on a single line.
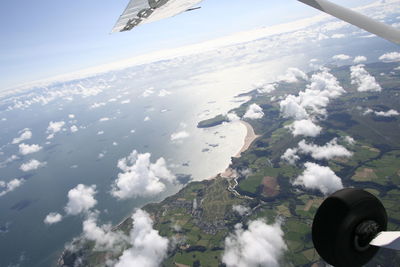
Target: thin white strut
[(376, 27), (387, 240)]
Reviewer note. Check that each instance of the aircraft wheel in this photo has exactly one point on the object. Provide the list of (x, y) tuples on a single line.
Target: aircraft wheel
[(344, 225)]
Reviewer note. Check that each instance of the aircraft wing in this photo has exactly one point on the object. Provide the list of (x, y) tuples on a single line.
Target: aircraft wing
[(144, 11)]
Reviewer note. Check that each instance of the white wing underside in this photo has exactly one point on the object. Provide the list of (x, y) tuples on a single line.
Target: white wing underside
[(140, 12)]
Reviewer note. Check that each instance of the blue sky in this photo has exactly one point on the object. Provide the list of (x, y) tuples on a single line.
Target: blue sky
[(43, 38)]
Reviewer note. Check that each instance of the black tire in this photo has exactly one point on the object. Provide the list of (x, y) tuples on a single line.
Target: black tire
[(334, 225)]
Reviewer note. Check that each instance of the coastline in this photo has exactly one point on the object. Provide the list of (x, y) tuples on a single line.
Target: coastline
[(248, 140), (228, 173)]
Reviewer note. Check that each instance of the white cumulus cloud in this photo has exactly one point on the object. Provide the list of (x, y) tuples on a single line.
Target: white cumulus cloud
[(364, 81), (179, 135), (311, 102), (54, 127), (292, 75), (319, 177), (254, 111), (389, 113), (105, 239), (140, 177), (148, 92), (305, 128), (73, 129), (10, 186), (25, 149), (291, 156), (148, 248), (390, 57), (26, 134), (266, 89), (328, 151), (80, 199), (341, 57), (31, 165), (260, 245), (232, 117), (53, 218), (97, 105), (240, 209), (104, 119), (359, 59)]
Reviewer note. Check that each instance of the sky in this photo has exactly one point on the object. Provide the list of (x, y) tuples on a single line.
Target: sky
[(45, 38)]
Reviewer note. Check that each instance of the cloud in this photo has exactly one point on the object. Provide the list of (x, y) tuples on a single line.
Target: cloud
[(241, 210), (53, 218), (71, 116), (364, 81), (147, 118), (53, 128), (33, 164), (25, 149), (390, 57), (25, 135), (266, 89), (8, 160), (314, 99), (140, 177), (126, 101), (100, 132), (148, 92), (350, 140), (148, 248), (80, 199), (292, 75), (305, 128), (341, 57), (389, 113), (359, 59), (104, 119), (232, 116), (179, 135), (43, 95), (320, 178), (328, 151), (291, 108), (254, 111), (163, 93), (260, 245), (291, 156), (104, 237), (10, 186), (97, 105), (74, 129)]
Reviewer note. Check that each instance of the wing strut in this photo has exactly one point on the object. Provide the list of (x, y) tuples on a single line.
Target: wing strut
[(385, 31)]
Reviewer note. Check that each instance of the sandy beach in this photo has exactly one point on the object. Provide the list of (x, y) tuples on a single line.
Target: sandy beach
[(248, 140)]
